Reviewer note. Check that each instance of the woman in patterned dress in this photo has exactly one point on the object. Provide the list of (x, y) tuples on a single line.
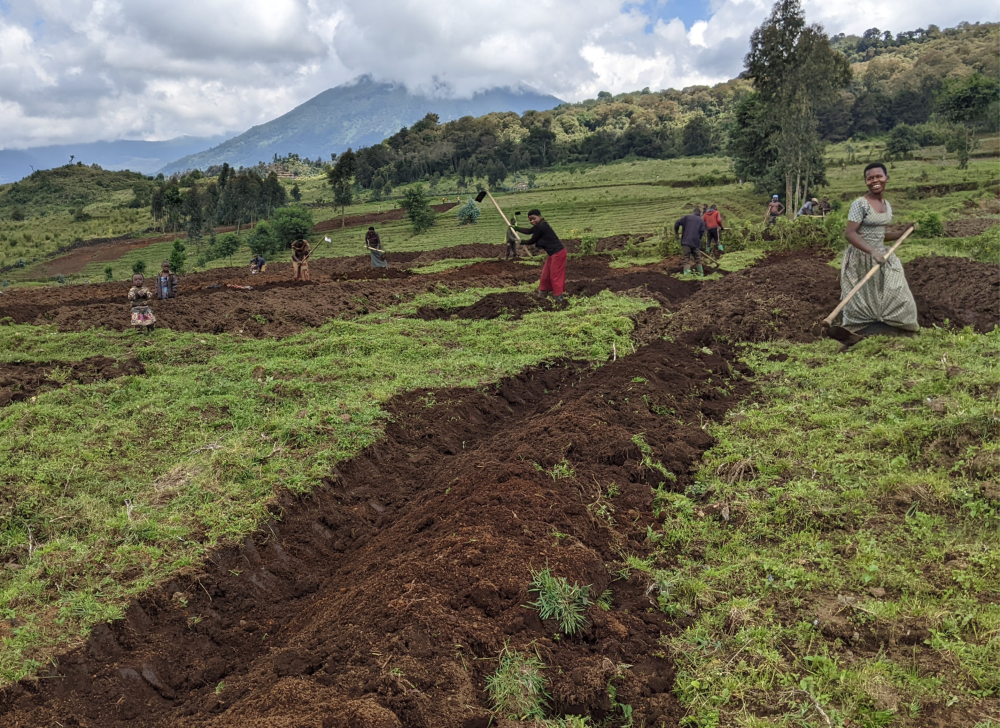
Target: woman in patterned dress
[(138, 298), (884, 305)]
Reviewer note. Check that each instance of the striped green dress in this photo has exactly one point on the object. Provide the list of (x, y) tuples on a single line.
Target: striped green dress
[(886, 297)]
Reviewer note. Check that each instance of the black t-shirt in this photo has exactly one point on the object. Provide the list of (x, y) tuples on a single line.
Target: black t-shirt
[(543, 236)]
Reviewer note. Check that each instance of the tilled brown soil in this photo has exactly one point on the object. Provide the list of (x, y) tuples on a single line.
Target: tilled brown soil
[(960, 291), (513, 305), (385, 598), (782, 297), (20, 381), (217, 301)]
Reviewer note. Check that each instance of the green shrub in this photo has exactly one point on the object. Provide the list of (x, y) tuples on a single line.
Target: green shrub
[(468, 214), (418, 209), (931, 226), (109, 273), (139, 267), (288, 224), (559, 600), (588, 244), (985, 247)]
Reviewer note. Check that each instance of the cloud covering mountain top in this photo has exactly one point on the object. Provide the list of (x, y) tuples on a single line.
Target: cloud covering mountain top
[(81, 70)]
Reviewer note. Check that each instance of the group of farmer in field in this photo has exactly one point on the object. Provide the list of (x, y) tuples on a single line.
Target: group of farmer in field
[(881, 305)]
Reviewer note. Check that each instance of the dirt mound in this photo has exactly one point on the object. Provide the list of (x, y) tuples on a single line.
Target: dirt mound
[(20, 381), (958, 290), (512, 305), (664, 287), (614, 242), (460, 252), (386, 596), (782, 297), (969, 226)]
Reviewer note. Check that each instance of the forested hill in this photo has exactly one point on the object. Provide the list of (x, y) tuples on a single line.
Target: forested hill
[(358, 113), (895, 79)]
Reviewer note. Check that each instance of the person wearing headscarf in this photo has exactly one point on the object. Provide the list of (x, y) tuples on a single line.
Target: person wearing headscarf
[(374, 245)]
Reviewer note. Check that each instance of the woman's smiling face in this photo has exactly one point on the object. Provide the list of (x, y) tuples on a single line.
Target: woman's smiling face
[(875, 179)]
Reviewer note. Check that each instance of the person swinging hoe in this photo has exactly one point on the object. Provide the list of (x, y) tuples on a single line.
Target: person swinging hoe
[(553, 277)]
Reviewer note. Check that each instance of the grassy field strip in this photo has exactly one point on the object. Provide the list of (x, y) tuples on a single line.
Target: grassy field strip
[(108, 488), (627, 197), (858, 564)]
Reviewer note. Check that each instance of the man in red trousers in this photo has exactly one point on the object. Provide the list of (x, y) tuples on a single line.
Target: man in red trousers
[(554, 271)]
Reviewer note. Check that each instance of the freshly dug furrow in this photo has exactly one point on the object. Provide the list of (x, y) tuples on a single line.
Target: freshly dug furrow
[(385, 597)]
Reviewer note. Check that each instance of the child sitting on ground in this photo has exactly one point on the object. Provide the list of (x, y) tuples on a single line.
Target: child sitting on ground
[(139, 296)]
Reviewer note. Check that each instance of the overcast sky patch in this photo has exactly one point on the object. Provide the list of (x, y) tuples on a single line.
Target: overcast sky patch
[(83, 70)]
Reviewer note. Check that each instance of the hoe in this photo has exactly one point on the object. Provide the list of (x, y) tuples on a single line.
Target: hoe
[(838, 332)]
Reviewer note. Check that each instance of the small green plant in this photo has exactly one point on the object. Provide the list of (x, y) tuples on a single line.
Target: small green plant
[(562, 470), (220, 687), (588, 244), (605, 600), (561, 601), (109, 273), (517, 688), (647, 458), (139, 267), (60, 278)]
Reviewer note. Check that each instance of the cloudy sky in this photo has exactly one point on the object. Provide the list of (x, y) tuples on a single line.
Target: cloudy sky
[(85, 70)]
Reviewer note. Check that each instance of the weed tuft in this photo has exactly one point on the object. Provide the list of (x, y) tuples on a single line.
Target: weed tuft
[(561, 601), (517, 689)]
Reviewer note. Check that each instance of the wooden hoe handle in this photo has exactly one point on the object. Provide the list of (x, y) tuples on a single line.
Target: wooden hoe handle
[(502, 215), (829, 319)]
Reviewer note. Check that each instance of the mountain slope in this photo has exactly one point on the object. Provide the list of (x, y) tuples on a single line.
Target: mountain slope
[(351, 115), (138, 156)]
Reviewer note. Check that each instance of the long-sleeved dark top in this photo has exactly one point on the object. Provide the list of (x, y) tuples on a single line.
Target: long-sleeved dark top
[(694, 230), (543, 236)]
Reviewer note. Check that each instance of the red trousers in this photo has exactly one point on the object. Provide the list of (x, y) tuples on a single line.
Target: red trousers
[(554, 274)]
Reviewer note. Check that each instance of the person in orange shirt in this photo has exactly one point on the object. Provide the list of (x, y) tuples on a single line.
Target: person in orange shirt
[(713, 225)]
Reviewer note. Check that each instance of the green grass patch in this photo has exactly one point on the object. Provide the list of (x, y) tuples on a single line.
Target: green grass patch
[(449, 264), (856, 568), (108, 488)]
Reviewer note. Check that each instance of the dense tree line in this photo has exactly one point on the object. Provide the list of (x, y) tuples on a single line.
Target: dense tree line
[(895, 79), (233, 198)]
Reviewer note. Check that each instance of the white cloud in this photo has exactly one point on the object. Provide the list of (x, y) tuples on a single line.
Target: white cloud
[(80, 70)]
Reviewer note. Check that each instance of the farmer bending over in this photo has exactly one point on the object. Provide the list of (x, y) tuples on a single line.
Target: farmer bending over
[(694, 229), (512, 240), (554, 271), (257, 264), (713, 225), (300, 259), (374, 245)]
